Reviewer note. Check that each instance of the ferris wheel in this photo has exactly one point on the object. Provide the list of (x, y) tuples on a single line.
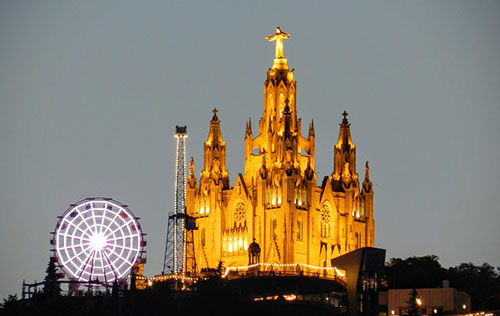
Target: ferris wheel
[(98, 239)]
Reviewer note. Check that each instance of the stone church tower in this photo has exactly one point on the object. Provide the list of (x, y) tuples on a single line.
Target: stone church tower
[(276, 204)]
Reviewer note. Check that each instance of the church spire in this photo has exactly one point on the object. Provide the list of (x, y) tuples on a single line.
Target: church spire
[(215, 151), (367, 184), (345, 131), (344, 152), (248, 131)]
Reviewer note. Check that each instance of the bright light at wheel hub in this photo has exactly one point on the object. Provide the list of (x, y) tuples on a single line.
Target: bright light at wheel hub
[(98, 241)]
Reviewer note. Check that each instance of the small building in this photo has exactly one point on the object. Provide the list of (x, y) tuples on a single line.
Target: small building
[(432, 301)]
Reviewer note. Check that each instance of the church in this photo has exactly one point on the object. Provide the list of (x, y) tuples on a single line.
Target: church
[(276, 207)]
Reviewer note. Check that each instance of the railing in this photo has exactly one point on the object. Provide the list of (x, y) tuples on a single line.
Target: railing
[(297, 269)]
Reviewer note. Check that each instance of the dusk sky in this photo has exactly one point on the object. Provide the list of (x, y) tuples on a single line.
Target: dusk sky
[(91, 92)]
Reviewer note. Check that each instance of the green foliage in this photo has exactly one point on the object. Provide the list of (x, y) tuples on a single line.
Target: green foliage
[(412, 303), (482, 283), (51, 287), (414, 272)]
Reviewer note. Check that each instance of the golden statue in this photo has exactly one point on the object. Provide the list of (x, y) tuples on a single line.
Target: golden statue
[(278, 37)]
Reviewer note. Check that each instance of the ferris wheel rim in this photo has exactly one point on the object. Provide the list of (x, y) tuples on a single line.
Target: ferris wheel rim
[(103, 241)]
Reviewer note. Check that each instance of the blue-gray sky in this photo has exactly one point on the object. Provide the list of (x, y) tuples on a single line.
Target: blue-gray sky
[(90, 93)]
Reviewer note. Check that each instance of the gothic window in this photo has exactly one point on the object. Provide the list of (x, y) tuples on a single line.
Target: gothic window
[(240, 213), (300, 198), (205, 206), (325, 220)]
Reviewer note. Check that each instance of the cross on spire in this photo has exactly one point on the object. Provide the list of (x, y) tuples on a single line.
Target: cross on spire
[(215, 118), (344, 120)]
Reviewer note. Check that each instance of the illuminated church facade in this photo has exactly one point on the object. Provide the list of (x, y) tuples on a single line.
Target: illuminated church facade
[(277, 203)]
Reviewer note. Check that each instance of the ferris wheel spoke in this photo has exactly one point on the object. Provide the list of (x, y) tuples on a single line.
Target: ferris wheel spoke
[(124, 237), (82, 267), (82, 245), (81, 238), (119, 228), (105, 209), (92, 212), (83, 219), (74, 236), (111, 265), (77, 255), (125, 247), (78, 228), (97, 238), (92, 265), (101, 266), (118, 253)]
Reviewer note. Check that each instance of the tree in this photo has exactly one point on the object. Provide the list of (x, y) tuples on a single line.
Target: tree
[(10, 305), (51, 287), (414, 272), (412, 303)]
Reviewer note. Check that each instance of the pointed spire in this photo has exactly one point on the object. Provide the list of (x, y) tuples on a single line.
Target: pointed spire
[(248, 131), (311, 129), (344, 151), (191, 167), (345, 132), (367, 184)]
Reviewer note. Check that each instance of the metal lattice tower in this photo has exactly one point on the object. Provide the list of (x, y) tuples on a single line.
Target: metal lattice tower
[(174, 248)]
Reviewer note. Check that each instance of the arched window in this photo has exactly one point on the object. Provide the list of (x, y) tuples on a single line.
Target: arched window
[(325, 221), (240, 213)]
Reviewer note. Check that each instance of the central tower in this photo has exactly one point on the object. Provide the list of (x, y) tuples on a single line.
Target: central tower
[(276, 204)]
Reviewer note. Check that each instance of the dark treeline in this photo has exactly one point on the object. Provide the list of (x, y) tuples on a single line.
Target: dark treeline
[(482, 282), (214, 296)]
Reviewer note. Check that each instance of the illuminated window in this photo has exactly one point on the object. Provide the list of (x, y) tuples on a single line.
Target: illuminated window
[(230, 245)]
